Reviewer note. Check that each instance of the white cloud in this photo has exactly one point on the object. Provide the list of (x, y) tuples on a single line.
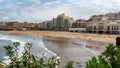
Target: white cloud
[(74, 8), (36, 1), (82, 8)]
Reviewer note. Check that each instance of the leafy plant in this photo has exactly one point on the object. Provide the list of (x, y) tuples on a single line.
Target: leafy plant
[(27, 60), (110, 58), (69, 64)]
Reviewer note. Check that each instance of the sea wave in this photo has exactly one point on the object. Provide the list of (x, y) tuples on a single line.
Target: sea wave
[(22, 41)]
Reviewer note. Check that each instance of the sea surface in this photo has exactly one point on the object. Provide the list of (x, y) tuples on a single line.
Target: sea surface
[(38, 46), (77, 50)]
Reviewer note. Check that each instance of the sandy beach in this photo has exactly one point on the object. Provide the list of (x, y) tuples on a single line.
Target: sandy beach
[(85, 36)]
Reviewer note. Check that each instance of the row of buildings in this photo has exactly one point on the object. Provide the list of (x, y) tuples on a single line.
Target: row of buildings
[(107, 23), (17, 25)]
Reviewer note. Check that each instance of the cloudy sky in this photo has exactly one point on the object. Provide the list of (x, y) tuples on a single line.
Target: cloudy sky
[(40, 10)]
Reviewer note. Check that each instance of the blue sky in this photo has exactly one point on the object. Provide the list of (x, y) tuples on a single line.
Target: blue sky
[(40, 10)]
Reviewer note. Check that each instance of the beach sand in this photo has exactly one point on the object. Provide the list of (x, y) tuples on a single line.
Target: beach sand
[(86, 36)]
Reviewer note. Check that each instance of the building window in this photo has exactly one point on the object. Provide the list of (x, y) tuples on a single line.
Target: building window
[(100, 27), (114, 27), (94, 27), (108, 27)]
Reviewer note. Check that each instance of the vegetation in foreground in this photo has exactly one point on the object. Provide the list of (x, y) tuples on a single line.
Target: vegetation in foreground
[(27, 60), (110, 58)]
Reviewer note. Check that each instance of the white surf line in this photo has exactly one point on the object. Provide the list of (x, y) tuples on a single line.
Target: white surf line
[(21, 48), (92, 51), (41, 43)]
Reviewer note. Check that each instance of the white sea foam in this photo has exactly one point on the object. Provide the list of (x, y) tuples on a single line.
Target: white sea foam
[(92, 51), (21, 47), (41, 43)]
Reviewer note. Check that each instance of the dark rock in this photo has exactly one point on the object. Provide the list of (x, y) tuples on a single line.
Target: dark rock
[(118, 41)]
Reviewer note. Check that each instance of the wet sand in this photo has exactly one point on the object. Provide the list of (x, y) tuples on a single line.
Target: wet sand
[(79, 51)]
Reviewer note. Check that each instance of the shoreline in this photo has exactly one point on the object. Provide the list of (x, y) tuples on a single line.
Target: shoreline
[(86, 36)]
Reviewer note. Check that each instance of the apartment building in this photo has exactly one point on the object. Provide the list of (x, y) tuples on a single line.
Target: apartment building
[(80, 23), (62, 22), (2, 24), (104, 26), (47, 24)]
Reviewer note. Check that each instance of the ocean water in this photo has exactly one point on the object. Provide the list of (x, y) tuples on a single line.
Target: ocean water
[(2, 44), (38, 46)]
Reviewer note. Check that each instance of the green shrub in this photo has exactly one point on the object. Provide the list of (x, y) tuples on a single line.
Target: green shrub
[(69, 64), (110, 58), (27, 60)]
